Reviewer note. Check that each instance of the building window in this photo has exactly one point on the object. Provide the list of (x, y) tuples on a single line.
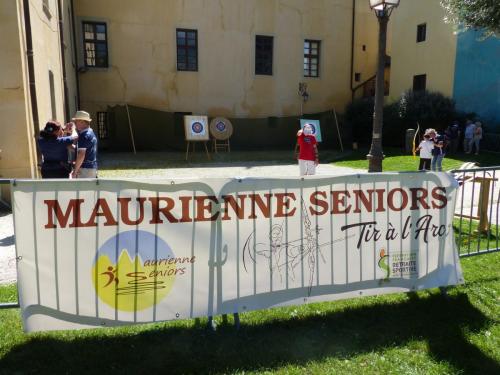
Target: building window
[(419, 82), (46, 9), (102, 125), (264, 55), (95, 41), (52, 95), (357, 77), (421, 32), (187, 50), (311, 58)]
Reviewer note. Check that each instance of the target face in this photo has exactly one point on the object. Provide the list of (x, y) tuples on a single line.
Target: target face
[(315, 127), (312, 127), (196, 128), (220, 126)]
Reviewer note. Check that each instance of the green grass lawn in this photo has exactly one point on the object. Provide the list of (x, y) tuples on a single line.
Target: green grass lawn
[(416, 333), (397, 160)]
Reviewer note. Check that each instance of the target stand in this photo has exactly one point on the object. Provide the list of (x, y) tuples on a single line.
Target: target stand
[(194, 148), (196, 129), (221, 130)]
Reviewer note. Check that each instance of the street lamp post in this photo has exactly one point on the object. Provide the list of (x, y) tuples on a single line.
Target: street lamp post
[(383, 10)]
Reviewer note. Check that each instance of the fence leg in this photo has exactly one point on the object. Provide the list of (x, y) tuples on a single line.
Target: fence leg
[(236, 321), (444, 291), (211, 325)]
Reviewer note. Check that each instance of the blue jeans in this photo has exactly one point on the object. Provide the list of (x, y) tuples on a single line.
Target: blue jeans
[(436, 163), (476, 143)]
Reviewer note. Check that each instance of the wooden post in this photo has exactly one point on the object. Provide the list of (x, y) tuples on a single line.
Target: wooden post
[(130, 127), (338, 131), (482, 209)]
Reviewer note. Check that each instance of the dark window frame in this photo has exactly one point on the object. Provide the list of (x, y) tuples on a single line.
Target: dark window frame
[(420, 82), (95, 42), (421, 32), (185, 48), (102, 125), (264, 55), (308, 57)]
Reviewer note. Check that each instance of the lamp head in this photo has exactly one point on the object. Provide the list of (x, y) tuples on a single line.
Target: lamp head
[(383, 7)]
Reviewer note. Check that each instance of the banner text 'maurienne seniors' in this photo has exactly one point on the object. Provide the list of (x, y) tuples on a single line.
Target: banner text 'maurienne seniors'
[(184, 209)]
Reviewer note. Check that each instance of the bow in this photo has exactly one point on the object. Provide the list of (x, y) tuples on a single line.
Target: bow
[(414, 150)]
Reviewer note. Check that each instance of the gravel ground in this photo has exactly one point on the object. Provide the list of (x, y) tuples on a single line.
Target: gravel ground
[(7, 249)]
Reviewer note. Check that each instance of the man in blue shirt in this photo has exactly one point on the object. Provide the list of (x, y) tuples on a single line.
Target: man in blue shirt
[(86, 147)]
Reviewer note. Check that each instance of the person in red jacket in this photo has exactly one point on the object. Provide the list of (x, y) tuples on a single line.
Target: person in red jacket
[(308, 151)]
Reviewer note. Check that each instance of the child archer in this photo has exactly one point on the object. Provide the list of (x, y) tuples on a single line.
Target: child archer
[(308, 151)]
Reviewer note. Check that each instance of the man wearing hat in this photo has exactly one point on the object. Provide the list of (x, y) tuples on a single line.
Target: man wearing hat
[(86, 147)]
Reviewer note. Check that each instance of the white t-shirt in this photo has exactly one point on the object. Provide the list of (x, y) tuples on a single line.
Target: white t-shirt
[(426, 149)]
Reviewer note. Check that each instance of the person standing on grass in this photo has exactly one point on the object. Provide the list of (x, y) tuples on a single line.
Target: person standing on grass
[(478, 135), (308, 151), (453, 134), (438, 151), (468, 136), (86, 147), (425, 147)]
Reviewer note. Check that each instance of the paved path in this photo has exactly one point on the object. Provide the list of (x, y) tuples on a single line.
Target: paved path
[(7, 249)]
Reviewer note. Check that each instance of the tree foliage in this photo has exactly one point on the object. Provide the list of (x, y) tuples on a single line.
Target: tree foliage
[(474, 14)]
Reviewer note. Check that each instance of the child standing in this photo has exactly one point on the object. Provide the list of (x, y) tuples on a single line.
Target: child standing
[(308, 151), (425, 147)]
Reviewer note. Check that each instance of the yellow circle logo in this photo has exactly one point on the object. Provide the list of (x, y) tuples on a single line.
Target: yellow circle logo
[(135, 270)]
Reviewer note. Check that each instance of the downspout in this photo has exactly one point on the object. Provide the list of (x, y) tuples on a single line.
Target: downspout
[(63, 61), (352, 45), (75, 51), (31, 72)]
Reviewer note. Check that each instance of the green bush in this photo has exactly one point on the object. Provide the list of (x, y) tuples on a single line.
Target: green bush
[(429, 109)]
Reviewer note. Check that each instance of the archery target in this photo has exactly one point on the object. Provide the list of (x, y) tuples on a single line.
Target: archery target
[(315, 127), (196, 128), (221, 128)]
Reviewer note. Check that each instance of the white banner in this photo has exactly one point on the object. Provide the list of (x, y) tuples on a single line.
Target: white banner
[(114, 252)]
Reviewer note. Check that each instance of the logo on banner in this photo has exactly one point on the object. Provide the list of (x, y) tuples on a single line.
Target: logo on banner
[(197, 127), (399, 264), (135, 270)]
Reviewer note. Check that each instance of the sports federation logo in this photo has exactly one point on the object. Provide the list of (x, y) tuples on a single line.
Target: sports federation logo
[(197, 127), (398, 264)]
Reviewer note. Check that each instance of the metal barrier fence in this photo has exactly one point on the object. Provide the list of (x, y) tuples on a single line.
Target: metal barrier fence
[(476, 222)]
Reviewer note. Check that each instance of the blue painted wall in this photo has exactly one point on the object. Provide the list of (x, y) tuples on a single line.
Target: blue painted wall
[(477, 77)]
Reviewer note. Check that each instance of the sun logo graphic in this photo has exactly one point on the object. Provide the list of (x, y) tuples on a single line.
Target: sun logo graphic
[(135, 270)]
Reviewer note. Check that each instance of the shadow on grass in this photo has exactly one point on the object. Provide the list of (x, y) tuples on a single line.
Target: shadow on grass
[(438, 320)]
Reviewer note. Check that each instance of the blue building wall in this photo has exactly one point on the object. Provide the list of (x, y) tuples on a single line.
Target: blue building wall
[(477, 77)]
